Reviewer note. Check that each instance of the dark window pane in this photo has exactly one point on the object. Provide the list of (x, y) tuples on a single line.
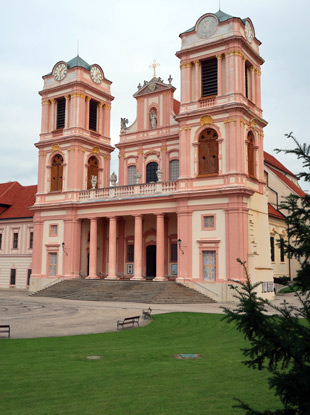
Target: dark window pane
[(151, 170), (28, 276), (174, 253), (130, 253), (93, 115), (272, 248), (13, 277), (15, 240)]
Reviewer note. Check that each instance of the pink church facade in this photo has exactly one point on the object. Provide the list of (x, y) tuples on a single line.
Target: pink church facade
[(191, 194)]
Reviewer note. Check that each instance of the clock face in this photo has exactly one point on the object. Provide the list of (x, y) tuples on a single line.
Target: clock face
[(207, 27), (248, 32), (96, 74), (60, 71)]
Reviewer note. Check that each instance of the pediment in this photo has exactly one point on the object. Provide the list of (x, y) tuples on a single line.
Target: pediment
[(154, 85)]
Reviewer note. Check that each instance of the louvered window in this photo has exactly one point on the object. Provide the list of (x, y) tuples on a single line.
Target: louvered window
[(93, 115), (61, 113), (209, 77), (174, 170), (131, 175)]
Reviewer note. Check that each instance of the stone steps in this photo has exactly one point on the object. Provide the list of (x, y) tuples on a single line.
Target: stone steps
[(128, 291)]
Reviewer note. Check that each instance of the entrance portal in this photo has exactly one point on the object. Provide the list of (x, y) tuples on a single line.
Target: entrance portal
[(151, 261)]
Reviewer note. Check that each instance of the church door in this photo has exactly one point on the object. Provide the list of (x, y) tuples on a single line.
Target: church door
[(208, 152), (151, 261)]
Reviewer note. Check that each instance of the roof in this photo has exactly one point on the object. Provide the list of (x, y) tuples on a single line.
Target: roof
[(78, 61), (274, 212), (222, 17), (15, 200), (289, 183), (269, 159)]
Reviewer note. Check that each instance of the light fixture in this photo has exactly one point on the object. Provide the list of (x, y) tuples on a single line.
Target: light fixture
[(179, 243)]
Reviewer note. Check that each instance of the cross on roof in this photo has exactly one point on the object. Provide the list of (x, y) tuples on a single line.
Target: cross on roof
[(154, 65)]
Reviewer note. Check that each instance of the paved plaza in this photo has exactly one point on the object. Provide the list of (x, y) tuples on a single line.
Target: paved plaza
[(48, 317)]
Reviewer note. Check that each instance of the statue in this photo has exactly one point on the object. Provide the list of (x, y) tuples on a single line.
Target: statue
[(93, 181), (159, 174), (138, 177), (124, 121), (113, 179), (153, 119)]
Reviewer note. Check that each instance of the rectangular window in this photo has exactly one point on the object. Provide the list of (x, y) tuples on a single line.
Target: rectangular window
[(272, 248), (28, 276), (174, 252), (13, 277), (31, 240), (209, 265), (209, 77), (61, 113), (208, 222), (15, 240), (93, 115), (53, 230), (282, 250), (131, 175), (53, 264), (174, 170), (130, 253)]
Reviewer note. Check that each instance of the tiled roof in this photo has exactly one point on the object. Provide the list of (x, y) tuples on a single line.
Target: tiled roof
[(289, 183), (269, 159), (274, 212), (15, 200)]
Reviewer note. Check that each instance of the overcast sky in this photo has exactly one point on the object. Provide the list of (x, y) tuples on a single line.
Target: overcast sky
[(124, 37)]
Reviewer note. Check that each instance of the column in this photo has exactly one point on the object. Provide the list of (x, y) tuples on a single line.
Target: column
[(197, 80), (138, 249), (53, 115), (112, 250), (253, 89), (67, 113), (45, 116), (160, 248), (100, 118), (219, 75), (87, 113), (120, 246), (93, 250)]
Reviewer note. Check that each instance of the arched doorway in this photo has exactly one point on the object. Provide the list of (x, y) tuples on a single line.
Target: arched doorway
[(208, 152), (92, 170), (151, 261)]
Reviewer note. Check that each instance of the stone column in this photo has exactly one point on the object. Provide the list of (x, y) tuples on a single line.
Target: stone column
[(100, 118), (197, 80), (53, 115), (160, 248), (219, 75), (67, 113), (87, 113), (112, 250), (138, 249), (93, 250), (45, 116)]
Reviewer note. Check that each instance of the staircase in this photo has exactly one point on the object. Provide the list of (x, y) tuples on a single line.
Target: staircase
[(128, 291)]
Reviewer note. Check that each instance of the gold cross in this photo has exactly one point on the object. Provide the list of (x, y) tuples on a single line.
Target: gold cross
[(154, 65)]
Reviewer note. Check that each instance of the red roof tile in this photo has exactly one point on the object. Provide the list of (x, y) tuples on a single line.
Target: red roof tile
[(15, 200), (289, 183), (274, 212), (269, 159)]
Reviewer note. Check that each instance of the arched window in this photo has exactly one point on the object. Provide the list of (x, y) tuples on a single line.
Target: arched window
[(173, 170), (57, 172), (131, 175), (208, 152), (92, 173), (250, 143), (151, 170)]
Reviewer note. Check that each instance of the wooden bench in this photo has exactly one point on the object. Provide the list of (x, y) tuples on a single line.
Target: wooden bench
[(128, 320), (147, 313), (5, 328)]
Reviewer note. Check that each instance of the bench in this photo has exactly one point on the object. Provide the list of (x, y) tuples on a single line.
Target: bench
[(128, 320), (147, 313), (5, 329)]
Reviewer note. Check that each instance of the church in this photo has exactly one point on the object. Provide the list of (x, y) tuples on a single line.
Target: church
[(191, 192)]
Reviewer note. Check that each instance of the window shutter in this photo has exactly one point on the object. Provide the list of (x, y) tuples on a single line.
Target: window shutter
[(61, 113), (93, 115)]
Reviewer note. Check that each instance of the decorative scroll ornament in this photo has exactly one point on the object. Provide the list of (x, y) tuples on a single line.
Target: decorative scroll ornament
[(206, 120), (253, 123), (55, 147), (95, 150)]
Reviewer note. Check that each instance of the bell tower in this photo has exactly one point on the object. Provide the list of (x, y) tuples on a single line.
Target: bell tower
[(74, 146)]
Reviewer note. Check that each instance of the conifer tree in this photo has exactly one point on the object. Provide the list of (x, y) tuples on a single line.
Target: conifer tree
[(280, 342)]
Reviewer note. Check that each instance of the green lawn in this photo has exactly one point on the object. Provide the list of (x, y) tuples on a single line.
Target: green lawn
[(138, 373)]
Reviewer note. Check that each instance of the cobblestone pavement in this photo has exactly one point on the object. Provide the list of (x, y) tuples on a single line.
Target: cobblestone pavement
[(48, 317)]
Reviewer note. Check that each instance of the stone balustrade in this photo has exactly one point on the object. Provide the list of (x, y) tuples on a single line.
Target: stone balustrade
[(128, 191)]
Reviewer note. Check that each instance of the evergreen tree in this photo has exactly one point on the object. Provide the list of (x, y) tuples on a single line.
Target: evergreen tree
[(280, 343)]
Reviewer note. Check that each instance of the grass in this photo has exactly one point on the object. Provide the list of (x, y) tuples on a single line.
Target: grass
[(290, 289), (138, 373)]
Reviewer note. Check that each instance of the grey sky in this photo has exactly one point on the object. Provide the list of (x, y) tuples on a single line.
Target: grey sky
[(123, 38)]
